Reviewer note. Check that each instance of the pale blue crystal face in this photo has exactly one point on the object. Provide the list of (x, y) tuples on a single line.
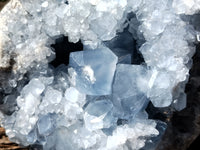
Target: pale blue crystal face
[(94, 70), (127, 95), (45, 124), (98, 115), (98, 101)]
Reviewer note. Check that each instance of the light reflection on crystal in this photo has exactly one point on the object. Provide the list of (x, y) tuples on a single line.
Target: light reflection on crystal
[(79, 106)]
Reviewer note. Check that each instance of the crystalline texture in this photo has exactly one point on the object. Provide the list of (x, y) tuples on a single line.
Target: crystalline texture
[(127, 96), (95, 113), (44, 124), (92, 104), (94, 70)]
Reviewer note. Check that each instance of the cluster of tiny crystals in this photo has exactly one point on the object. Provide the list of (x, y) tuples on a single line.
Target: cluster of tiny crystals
[(98, 101)]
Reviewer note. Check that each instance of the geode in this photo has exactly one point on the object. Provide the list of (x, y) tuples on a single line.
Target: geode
[(79, 74)]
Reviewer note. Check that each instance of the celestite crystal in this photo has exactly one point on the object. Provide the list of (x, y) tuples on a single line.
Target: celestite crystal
[(94, 70), (134, 52)]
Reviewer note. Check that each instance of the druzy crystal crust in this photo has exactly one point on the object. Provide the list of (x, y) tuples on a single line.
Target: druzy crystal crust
[(134, 52)]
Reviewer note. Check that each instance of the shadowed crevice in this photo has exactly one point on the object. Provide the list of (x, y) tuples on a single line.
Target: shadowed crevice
[(63, 48)]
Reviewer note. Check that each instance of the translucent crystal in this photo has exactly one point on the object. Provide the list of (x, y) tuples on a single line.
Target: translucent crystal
[(96, 113), (53, 96), (135, 51), (74, 96), (45, 124), (127, 96), (94, 70)]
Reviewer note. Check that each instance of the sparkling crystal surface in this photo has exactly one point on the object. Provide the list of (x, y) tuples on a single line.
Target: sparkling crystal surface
[(134, 52)]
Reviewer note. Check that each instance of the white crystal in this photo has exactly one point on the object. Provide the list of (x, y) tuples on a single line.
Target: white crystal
[(74, 96), (53, 96)]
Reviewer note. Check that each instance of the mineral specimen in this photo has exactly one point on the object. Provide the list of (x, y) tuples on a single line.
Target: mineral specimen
[(93, 70), (134, 52)]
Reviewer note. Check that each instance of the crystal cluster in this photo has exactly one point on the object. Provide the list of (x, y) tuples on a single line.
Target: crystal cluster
[(134, 51)]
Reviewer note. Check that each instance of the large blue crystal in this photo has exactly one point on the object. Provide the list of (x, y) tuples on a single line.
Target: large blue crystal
[(94, 70)]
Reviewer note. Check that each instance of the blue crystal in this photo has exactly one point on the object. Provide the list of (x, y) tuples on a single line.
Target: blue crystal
[(95, 70)]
